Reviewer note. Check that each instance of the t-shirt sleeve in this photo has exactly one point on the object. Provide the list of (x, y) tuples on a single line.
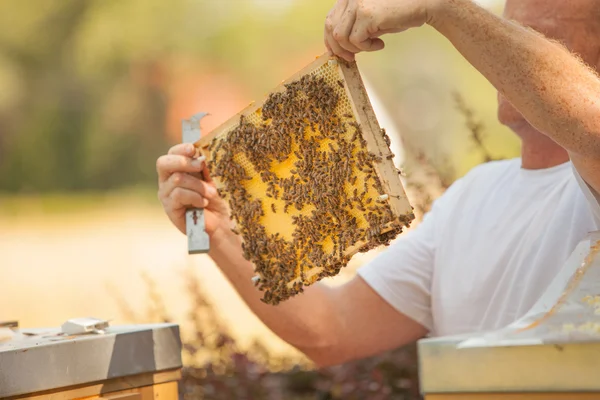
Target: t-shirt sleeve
[(593, 198), (402, 274)]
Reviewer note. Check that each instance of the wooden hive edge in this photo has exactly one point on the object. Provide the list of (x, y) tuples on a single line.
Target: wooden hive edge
[(371, 132)]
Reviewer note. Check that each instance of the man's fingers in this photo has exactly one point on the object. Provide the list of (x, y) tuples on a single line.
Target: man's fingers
[(341, 33), (364, 36), (374, 44), (188, 182), (206, 176), (331, 22), (334, 16), (183, 149), (339, 51), (329, 50), (328, 31), (185, 198), (167, 165)]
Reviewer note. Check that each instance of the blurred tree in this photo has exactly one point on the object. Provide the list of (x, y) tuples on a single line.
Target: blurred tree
[(55, 117), (90, 81), (87, 85)]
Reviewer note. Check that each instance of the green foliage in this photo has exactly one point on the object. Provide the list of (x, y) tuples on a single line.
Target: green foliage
[(85, 84), (50, 123), (83, 110)]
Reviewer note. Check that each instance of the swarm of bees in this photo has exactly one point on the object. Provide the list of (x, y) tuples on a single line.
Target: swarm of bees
[(314, 168)]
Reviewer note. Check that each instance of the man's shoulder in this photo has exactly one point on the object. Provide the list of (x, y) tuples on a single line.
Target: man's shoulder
[(479, 179), (494, 168), (486, 173)]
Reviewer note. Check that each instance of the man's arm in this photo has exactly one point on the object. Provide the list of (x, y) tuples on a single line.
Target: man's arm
[(557, 93), (553, 89), (331, 325)]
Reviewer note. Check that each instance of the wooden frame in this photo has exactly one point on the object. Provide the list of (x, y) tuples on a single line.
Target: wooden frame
[(363, 113), (326, 111)]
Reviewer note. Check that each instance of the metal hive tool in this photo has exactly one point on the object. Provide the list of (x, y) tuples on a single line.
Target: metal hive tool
[(309, 177), (198, 240)]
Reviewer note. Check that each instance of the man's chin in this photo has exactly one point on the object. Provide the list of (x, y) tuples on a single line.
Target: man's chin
[(520, 127)]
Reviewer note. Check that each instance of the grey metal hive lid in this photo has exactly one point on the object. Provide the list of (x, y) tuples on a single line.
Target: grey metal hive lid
[(42, 359)]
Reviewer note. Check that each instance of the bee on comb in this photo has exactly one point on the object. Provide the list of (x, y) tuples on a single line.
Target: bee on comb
[(308, 178)]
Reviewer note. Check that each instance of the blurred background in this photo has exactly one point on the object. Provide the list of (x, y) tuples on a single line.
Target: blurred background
[(92, 92)]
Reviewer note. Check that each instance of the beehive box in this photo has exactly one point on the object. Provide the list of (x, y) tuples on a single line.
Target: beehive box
[(309, 178), (549, 353)]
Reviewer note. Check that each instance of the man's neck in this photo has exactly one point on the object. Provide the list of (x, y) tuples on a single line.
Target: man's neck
[(541, 152)]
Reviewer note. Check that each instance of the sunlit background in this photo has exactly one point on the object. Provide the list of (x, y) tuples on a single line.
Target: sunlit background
[(92, 92)]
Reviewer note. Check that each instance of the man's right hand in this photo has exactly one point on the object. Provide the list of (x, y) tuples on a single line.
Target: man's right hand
[(179, 190)]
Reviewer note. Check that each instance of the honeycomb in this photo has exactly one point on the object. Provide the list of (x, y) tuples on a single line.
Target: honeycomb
[(303, 186)]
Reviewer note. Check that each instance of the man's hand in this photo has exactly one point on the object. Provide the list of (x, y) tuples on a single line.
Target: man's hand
[(178, 190), (353, 26)]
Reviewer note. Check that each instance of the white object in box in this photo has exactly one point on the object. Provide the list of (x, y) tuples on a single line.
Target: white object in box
[(79, 326)]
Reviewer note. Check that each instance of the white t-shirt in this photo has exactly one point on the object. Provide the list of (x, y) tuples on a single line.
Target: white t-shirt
[(488, 248)]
